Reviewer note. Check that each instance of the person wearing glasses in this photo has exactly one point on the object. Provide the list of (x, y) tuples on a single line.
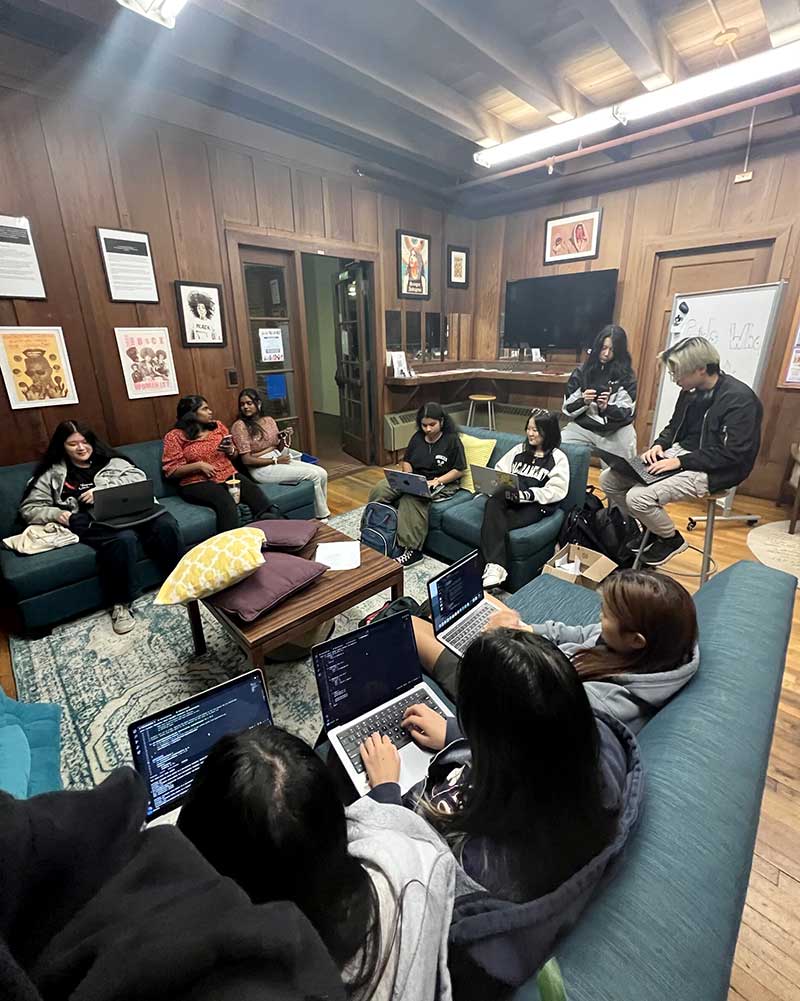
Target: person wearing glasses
[(710, 444)]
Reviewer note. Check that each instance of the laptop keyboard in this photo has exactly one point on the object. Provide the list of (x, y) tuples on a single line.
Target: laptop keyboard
[(464, 632), (386, 720), (643, 469)]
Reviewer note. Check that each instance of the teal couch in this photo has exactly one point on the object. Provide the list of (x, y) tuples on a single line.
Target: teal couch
[(30, 747), (454, 527), (665, 927), (50, 587)]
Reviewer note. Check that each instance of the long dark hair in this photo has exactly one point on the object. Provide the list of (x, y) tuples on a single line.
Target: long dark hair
[(187, 416), (548, 427), (657, 607), (435, 412), (535, 782), (254, 429), (264, 810), (55, 452), (619, 367)]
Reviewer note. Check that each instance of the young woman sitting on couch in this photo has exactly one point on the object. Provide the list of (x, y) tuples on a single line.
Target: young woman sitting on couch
[(62, 489)]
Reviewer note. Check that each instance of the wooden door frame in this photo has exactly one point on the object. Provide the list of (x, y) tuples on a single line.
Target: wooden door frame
[(243, 237)]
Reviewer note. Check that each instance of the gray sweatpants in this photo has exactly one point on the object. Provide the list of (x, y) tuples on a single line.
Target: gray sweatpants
[(621, 442), (647, 503)]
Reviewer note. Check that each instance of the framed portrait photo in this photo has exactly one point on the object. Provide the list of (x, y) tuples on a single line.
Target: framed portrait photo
[(201, 315), (572, 237), (146, 358), (35, 367), (413, 265), (457, 266)]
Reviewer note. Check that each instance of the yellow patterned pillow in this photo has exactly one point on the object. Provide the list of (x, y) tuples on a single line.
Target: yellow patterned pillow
[(213, 565), (478, 452)]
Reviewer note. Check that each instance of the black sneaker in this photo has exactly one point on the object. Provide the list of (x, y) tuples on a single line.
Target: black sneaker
[(663, 550), (408, 557)]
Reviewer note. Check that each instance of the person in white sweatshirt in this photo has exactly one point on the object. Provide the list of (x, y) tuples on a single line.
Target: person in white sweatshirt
[(543, 472)]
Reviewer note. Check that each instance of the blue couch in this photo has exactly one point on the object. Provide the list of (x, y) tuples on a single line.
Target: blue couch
[(454, 527), (50, 587), (665, 927), (30, 747)]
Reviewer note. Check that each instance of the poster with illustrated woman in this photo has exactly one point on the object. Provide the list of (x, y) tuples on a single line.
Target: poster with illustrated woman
[(201, 314), (413, 265)]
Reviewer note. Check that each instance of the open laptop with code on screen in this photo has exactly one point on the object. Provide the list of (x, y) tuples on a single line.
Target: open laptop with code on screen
[(459, 608)]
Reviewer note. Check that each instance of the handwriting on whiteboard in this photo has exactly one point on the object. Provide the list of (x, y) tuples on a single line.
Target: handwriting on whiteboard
[(740, 337)]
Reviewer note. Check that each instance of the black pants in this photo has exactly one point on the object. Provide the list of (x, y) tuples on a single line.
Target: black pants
[(218, 497), (499, 519), (117, 551)]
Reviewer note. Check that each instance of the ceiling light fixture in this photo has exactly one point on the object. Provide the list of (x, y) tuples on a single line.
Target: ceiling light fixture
[(732, 76), (163, 12)]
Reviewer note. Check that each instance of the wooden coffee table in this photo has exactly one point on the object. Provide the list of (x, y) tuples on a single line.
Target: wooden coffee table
[(335, 591)]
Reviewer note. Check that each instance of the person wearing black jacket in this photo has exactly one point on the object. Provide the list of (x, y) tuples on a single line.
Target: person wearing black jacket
[(710, 444), (600, 397)]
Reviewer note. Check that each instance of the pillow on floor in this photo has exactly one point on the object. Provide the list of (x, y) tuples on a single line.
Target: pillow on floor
[(287, 534), (478, 452), (279, 576), (219, 562), (15, 761)]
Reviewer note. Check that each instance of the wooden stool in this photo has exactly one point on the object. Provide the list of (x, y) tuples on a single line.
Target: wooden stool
[(486, 398), (793, 460), (706, 568)]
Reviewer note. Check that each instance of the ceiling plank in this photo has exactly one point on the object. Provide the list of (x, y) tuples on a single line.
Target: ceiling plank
[(500, 56), (627, 28), (326, 41), (783, 20)]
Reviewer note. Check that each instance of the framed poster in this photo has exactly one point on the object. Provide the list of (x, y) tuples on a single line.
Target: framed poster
[(413, 265), (129, 265), (146, 358), (789, 377), (36, 368), (457, 266), (572, 237), (201, 315), (20, 276)]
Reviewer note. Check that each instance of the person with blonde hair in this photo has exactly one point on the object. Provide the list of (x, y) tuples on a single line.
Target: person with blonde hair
[(710, 444)]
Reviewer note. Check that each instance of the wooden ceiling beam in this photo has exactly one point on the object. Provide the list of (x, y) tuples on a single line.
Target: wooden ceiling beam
[(325, 40), (783, 20)]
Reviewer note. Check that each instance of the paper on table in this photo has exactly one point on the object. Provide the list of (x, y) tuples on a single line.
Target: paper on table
[(339, 555)]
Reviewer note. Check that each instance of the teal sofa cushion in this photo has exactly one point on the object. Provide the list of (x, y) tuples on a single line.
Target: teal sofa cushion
[(30, 575), (13, 480), (41, 725), (15, 761), (464, 524), (147, 456)]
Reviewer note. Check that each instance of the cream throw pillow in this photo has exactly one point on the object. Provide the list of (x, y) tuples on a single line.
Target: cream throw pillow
[(217, 563), (478, 452)]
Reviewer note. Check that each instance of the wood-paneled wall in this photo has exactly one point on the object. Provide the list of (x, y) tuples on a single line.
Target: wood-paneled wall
[(71, 168), (691, 203)]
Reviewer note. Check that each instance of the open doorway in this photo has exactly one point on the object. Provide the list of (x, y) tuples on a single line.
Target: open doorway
[(341, 377)]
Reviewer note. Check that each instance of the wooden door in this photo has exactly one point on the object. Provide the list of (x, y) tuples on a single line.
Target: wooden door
[(352, 362), (686, 271)]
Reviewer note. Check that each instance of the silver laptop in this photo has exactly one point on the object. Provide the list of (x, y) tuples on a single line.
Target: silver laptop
[(459, 608), (409, 483), (169, 746), (366, 680), (126, 505), (493, 481)]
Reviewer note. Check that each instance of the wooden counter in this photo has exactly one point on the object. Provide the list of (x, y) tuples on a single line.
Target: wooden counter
[(468, 374)]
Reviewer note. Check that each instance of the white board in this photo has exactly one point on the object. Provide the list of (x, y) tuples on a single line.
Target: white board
[(739, 322)]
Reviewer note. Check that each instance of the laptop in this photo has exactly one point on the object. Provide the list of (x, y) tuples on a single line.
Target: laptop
[(366, 680), (126, 505), (492, 481), (636, 467), (169, 746), (410, 483), (458, 605)]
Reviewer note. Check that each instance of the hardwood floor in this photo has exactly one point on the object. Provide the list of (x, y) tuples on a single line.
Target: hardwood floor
[(766, 966)]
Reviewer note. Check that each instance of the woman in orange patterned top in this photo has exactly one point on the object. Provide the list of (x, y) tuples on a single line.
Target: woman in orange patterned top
[(197, 453)]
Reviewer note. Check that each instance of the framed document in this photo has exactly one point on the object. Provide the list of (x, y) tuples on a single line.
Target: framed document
[(200, 313), (129, 265), (35, 367), (20, 277), (146, 358)]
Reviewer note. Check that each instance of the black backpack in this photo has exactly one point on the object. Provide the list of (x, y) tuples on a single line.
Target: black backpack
[(604, 529)]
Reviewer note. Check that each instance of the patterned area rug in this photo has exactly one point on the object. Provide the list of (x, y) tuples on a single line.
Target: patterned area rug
[(103, 681), (772, 545)]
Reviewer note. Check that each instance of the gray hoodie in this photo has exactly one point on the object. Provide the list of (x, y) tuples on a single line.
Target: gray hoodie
[(44, 504), (633, 699)]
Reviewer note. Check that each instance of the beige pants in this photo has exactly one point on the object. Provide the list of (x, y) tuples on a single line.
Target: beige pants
[(295, 472)]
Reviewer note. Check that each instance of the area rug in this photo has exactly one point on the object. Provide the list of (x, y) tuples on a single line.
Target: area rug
[(103, 681), (772, 545)]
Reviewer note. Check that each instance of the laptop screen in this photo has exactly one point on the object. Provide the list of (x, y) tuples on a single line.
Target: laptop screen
[(363, 669), (455, 591), (169, 746)]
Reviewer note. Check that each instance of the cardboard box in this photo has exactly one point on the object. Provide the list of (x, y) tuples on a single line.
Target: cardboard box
[(594, 567)]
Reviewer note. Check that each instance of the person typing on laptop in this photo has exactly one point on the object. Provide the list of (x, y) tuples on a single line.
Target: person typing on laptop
[(710, 444), (62, 489)]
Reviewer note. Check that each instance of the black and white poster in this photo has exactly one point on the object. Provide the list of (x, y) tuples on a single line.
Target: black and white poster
[(20, 277), (129, 266), (201, 315)]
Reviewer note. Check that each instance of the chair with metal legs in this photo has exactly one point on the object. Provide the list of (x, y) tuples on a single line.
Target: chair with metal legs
[(708, 564), (489, 400)]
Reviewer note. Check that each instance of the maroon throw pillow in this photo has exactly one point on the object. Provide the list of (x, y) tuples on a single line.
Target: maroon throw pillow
[(286, 533), (279, 576)]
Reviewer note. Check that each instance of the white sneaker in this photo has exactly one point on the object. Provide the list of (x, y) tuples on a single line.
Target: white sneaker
[(494, 575), (122, 620)]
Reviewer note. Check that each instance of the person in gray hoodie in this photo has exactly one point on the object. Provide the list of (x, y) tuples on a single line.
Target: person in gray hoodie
[(632, 662)]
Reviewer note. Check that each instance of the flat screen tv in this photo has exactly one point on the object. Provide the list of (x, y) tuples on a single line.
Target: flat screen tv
[(560, 312)]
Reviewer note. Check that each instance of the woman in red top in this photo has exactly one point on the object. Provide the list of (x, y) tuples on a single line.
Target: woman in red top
[(197, 453)]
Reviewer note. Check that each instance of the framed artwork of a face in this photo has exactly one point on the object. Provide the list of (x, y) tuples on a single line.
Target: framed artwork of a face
[(457, 267), (413, 265), (572, 237), (35, 367), (201, 314)]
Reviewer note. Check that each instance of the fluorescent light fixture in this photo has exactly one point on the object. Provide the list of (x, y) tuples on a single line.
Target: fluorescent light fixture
[(555, 135), (163, 12)]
